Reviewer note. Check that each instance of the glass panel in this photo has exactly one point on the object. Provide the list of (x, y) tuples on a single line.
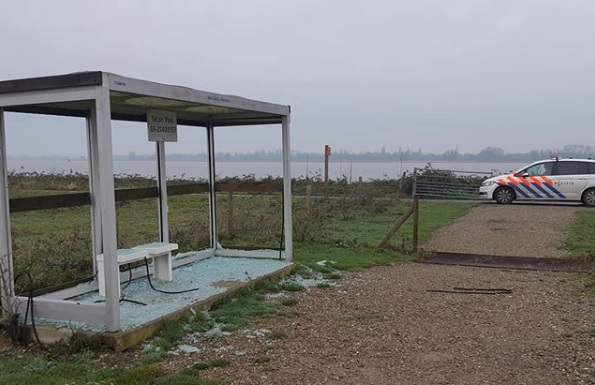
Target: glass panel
[(187, 163), (249, 215), (539, 169), (47, 156), (135, 166), (568, 168)]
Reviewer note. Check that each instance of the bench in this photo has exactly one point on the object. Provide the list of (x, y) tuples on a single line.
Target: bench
[(159, 252)]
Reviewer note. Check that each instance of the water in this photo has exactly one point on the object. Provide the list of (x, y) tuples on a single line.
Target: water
[(199, 170)]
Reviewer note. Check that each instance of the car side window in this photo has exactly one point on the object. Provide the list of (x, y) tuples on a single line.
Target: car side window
[(591, 168), (583, 168), (539, 169), (569, 168)]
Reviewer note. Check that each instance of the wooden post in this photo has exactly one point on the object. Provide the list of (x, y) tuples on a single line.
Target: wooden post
[(397, 226), (327, 154), (401, 181), (308, 197), (415, 223), (230, 222)]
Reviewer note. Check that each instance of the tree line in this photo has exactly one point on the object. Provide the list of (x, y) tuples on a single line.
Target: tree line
[(487, 154)]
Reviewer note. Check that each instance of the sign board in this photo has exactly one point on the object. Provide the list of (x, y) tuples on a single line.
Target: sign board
[(162, 126)]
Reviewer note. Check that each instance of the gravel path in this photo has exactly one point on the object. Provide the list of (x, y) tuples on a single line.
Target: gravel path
[(386, 326), (383, 327), (515, 230)]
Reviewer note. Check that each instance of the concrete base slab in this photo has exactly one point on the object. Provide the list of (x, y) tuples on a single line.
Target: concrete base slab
[(144, 309)]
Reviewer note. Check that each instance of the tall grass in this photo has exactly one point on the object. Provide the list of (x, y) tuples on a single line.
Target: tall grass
[(55, 245)]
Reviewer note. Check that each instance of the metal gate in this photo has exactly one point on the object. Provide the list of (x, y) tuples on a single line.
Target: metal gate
[(429, 183)]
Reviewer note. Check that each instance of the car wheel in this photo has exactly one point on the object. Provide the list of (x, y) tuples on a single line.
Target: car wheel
[(503, 195), (589, 197)]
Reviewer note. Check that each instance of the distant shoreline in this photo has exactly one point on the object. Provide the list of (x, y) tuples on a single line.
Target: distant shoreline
[(333, 160), (188, 169)]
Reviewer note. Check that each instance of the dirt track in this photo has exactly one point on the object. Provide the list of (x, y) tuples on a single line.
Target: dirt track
[(526, 230), (383, 326)]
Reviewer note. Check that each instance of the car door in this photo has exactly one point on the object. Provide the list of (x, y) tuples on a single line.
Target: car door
[(534, 182), (570, 178)]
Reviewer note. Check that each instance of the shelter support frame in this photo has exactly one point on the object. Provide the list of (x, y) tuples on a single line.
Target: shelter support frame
[(163, 210), (6, 266), (287, 212), (214, 235), (100, 97)]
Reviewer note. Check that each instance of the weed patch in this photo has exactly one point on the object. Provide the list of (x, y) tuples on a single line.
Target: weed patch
[(262, 359), (291, 286), (201, 322), (237, 312), (78, 343), (169, 334), (277, 335), (266, 286), (332, 276), (289, 302)]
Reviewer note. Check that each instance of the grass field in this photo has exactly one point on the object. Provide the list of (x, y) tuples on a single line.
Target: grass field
[(81, 370), (581, 239), (55, 245)]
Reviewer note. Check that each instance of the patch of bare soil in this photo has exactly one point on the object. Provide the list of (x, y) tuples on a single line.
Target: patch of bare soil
[(384, 326), (516, 230)]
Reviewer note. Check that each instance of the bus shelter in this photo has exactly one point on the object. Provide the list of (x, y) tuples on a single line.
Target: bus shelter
[(100, 98)]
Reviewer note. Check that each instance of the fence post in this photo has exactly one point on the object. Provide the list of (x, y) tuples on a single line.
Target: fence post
[(118, 220), (308, 197), (414, 186), (396, 227), (415, 223), (327, 154), (401, 181), (230, 221)]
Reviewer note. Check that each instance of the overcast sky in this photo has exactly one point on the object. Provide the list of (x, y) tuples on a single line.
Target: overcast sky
[(359, 75)]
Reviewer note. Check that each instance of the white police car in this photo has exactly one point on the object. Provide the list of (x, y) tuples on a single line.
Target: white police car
[(547, 180)]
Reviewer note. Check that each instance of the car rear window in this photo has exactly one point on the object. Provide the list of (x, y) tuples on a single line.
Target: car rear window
[(575, 168)]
